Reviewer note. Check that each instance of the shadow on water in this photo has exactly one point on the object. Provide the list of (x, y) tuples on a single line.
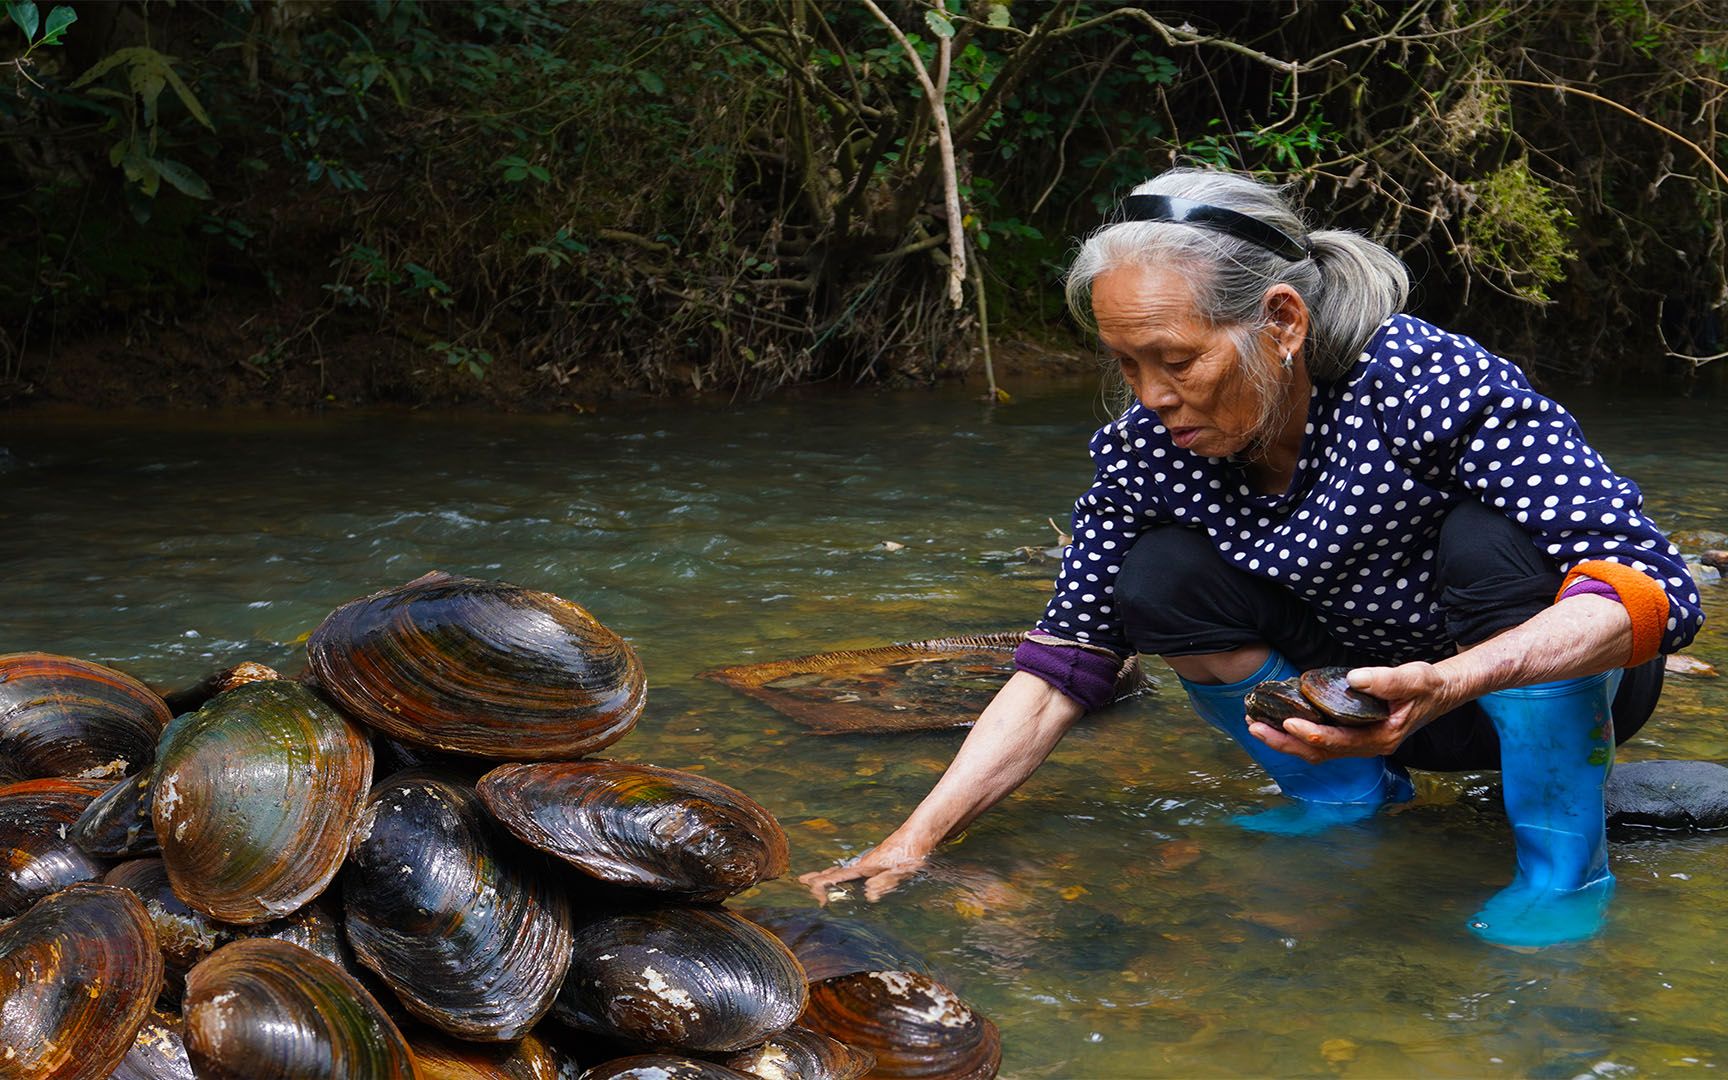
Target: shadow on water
[(1107, 916)]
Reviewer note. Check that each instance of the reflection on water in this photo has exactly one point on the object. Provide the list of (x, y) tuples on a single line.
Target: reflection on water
[(1107, 916)]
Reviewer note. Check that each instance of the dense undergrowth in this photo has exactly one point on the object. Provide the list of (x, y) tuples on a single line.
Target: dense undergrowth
[(537, 202)]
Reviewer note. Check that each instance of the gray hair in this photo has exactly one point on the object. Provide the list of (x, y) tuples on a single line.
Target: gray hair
[(1350, 283)]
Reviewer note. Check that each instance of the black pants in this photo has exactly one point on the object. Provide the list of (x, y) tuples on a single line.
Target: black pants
[(1179, 597)]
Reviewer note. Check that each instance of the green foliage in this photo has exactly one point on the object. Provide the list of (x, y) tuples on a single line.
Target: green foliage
[(28, 18), (1517, 228)]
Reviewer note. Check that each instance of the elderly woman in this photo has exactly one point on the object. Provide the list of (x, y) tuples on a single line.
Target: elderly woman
[(1308, 478)]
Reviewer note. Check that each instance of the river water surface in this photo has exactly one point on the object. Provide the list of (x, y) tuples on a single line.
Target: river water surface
[(1108, 916)]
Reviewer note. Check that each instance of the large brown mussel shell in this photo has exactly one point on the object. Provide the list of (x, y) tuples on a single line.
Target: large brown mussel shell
[(689, 978), (118, 821), (640, 825), (801, 1054), (915, 1026), (65, 717), (185, 936), (662, 1067), (470, 942), (479, 667), (442, 1057), (37, 854), (1329, 691), (260, 1009), (827, 945), (256, 796), (78, 974), (1274, 701), (159, 1052)]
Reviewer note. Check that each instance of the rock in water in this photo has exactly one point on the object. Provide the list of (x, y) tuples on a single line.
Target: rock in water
[(1683, 796)]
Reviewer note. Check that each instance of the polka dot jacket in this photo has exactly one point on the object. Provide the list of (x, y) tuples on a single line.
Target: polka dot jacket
[(1423, 420)]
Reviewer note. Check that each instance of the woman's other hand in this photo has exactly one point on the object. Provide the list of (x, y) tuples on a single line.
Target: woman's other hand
[(881, 869), (1414, 693)]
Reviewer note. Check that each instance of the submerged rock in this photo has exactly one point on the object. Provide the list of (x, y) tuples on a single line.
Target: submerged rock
[(1674, 796)]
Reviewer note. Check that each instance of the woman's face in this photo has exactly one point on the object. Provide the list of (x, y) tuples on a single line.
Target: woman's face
[(1177, 364)]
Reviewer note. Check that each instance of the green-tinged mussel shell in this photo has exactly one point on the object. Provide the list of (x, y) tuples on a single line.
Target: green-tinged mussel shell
[(662, 1067), (827, 945), (915, 1026), (65, 717), (688, 978), (1274, 701), (37, 853), (118, 822), (260, 1009), (472, 942), (159, 1051), (479, 667), (444, 1057), (256, 796), (78, 974), (640, 826), (1328, 689), (801, 1054), (184, 935)]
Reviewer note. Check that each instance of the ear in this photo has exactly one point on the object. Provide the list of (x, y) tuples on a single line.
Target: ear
[(1288, 314)]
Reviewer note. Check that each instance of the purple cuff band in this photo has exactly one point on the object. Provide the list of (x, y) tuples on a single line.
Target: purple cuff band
[(1591, 586), (1087, 677)]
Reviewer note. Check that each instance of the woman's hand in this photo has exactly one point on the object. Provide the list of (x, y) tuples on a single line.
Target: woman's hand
[(1414, 693), (881, 869)]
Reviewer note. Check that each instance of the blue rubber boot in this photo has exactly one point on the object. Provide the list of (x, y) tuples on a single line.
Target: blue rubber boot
[(1556, 748), (1331, 793)]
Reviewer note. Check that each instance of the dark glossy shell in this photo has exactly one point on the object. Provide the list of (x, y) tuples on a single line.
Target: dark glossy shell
[(256, 796), (1329, 690), (479, 667), (118, 821), (195, 696), (65, 717), (78, 974), (317, 928), (662, 1067), (690, 978), (442, 1057), (185, 936), (640, 826), (260, 1009), (1275, 701), (159, 1052), (801, 1054), (469, 941), (915, 1026), (827, 945), (37, 853)]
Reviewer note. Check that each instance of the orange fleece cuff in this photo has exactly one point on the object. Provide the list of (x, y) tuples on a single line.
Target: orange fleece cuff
[(1642, 596)]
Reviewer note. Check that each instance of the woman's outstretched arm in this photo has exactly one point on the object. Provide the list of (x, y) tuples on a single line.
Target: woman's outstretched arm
[(1013, 736)]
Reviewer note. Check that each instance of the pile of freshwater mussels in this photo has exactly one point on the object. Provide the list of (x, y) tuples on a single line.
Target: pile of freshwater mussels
[(212, 885)]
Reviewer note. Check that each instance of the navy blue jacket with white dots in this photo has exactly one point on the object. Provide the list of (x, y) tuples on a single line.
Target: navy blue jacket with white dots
[(1423, 420)]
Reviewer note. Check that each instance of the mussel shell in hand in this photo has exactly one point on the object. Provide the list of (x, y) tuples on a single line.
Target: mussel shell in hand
[(159, 1051), (913, 1024), (801, 1054), (479, 667), (256, 796), (690, 978), (1328, 689), (260, 1009), (118, 822), (640, 825), (469, 941), (184, 935), (1276, 700), (78, 974), (662, 1067), (442, 1057), (37, 853), (65, 717)]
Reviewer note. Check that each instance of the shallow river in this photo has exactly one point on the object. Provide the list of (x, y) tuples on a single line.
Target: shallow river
[(1108, 916)]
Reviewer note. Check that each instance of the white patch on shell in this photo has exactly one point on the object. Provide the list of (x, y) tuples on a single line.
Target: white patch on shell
[(772, 1062), (656, 984), (944, 1008), (167, 797), (117, 767)]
